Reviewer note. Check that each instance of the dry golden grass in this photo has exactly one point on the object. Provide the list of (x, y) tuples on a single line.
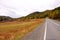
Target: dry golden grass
[(16, 30)]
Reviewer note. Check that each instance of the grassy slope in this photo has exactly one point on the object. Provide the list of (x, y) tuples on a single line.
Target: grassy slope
[(16, 30)]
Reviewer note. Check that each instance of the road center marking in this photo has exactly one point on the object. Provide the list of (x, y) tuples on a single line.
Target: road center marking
[(45, 30)]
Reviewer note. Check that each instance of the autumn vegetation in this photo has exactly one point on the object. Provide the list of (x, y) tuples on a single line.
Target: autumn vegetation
[(17, 29)]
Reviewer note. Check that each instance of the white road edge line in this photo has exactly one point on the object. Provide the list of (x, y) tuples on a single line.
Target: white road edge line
[(55, 23), (45, 30)]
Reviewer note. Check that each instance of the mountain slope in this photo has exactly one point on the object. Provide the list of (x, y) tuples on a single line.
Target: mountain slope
[(5, 18), (54, 14)]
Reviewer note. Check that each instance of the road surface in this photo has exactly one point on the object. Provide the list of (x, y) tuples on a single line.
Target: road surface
[(49, 30)]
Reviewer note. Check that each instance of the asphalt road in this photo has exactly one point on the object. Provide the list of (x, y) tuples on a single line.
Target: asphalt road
[(49, 30), (53, 30)]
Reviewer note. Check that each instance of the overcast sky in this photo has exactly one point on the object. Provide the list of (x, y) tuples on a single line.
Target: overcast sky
[(18, 8)]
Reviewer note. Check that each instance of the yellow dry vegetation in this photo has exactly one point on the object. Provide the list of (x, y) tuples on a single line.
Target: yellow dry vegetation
[(17, 29)]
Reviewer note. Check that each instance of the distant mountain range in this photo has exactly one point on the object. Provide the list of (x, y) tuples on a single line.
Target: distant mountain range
[(5, 18), (53, 14)]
